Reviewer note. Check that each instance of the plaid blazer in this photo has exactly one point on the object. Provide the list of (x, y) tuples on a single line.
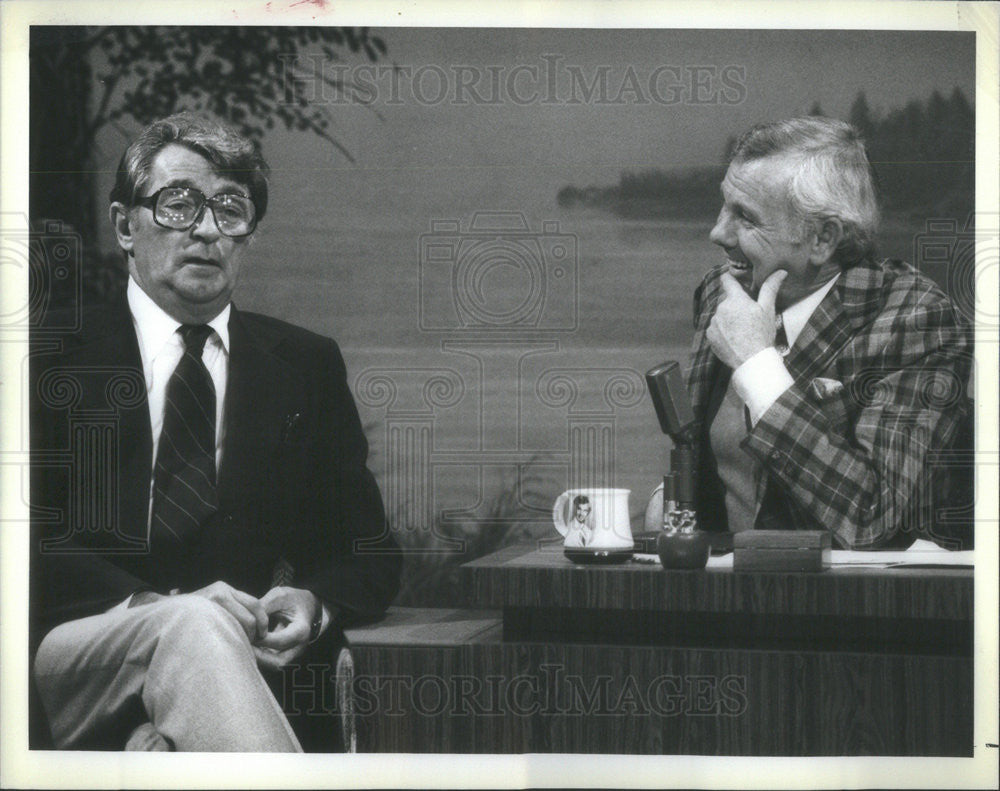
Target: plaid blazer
[(860, 443)]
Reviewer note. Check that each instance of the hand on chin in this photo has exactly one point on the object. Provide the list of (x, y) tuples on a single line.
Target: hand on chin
[(743, 325)]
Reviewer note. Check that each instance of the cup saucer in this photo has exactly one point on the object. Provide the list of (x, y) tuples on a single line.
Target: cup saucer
[(595, 555)]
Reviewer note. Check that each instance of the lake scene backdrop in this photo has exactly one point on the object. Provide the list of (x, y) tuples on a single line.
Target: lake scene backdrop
[(495, 289)]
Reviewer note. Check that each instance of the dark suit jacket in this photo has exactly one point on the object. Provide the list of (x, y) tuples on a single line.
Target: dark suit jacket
[(864, 443), (293, 482)]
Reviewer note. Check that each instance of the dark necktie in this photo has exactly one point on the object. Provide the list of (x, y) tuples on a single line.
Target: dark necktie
[(780, 337), (184, 495)]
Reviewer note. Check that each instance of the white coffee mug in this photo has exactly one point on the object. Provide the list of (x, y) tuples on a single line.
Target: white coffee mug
[(593, 519)]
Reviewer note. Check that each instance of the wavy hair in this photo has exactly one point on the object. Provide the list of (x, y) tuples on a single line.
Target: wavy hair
[(834, 178), (232, 153)]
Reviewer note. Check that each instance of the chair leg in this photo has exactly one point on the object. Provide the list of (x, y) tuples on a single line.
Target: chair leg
[(345, 699)]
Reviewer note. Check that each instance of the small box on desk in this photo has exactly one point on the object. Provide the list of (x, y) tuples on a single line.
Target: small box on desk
[(781, 550)]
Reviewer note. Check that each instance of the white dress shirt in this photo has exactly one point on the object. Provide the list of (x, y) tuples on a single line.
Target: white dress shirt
[(760, 380), (161, 348)]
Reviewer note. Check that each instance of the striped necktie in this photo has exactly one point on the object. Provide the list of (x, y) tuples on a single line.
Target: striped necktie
[(184, 495)]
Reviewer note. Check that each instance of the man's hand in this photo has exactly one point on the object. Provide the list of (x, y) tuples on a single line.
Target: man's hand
[(741, 327), (291, 612), (246, 609)]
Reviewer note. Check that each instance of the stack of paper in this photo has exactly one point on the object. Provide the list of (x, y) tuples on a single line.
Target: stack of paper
[(923, 553)]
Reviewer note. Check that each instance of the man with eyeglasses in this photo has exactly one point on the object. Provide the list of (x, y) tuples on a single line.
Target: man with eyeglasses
[(189, 586)]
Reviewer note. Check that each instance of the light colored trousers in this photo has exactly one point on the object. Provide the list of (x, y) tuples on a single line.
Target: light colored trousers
[(175, 674)]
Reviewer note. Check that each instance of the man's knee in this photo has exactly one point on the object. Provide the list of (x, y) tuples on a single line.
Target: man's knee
[(197, 620), (51, 653)]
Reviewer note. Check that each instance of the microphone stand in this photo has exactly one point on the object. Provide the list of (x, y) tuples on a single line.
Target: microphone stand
[(678, 491)]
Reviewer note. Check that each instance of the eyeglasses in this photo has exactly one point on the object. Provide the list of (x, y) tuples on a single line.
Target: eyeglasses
[(180, 208)]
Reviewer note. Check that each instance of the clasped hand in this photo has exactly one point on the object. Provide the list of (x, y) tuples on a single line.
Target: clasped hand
[(741, 326), (277, 624)]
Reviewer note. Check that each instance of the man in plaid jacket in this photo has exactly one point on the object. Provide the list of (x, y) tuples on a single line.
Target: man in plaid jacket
[(829, 388)]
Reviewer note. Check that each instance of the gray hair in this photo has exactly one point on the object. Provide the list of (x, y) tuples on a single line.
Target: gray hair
[(232, 153), (834, 178)]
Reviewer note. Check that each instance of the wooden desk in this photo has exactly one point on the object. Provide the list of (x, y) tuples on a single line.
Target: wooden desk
[(635, 659)]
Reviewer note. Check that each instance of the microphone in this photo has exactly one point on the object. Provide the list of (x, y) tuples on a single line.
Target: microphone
[(673, 409), (671, 402)]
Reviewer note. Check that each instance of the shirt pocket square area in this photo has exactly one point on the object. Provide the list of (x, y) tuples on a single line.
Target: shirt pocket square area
[(833, 400), (821, 389)]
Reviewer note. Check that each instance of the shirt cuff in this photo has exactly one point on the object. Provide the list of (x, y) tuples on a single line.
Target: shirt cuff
[(761, 380), (328, 617), (122, 605)]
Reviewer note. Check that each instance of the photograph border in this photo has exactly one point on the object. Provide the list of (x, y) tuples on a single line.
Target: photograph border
[(20, 767)]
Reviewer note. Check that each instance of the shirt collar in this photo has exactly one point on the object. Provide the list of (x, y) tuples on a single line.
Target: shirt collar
[(155, 326), (797, 316)]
